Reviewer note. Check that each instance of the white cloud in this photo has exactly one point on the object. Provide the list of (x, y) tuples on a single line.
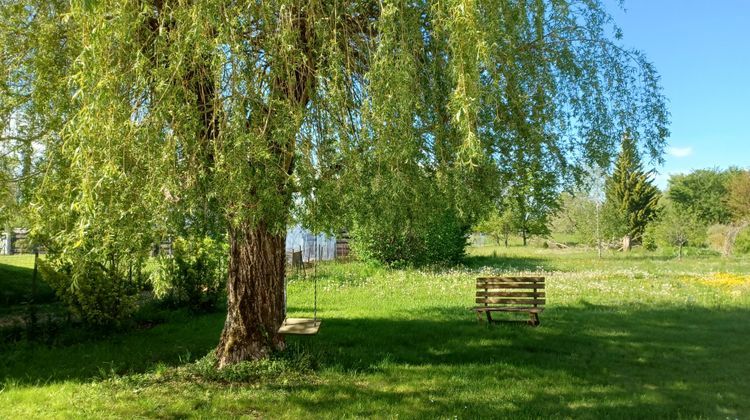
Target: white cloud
[(680, 152), (662, 179)]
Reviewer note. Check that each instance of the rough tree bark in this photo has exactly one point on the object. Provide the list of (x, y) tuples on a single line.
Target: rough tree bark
[(255, 295)]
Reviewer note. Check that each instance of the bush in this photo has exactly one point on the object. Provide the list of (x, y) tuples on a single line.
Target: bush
[(650, 241), (440, 239), (675, 228), (97, 293), (742, 244), (716, 237), (193, 276)]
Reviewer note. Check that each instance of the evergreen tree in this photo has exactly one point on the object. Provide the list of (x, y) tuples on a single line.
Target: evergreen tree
[(631, 197)]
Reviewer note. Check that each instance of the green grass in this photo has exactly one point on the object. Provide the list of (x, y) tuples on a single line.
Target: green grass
[(636, 336)]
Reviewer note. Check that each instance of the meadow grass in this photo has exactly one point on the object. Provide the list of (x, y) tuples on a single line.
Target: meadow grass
[(625, 336)]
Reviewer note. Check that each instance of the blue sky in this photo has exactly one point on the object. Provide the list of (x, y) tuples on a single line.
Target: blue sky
[(701, 49)]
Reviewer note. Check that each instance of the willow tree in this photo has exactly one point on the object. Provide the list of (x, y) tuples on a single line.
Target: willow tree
[(257, 108)]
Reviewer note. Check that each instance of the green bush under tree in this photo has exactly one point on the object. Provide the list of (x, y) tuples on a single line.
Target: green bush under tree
[(99, 293), (438, 238), (193, 276)]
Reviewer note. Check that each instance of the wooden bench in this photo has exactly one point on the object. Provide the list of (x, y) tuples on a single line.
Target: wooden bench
[(510, 294)]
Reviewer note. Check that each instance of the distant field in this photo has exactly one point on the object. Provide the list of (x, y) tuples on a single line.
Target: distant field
[(625, 336)]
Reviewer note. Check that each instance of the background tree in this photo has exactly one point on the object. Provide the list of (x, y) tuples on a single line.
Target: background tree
[(738, 202), (530, 213), (678, 228), (531, 192), (738, 196), (498, 225), (631, 198), (702, 192), (263, 106), (579, 211), (576, 217)]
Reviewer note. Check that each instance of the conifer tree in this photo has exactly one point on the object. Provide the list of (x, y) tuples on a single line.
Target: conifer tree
[(631, 197)]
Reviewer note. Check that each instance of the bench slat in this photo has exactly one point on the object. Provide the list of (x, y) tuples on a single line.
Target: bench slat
[(511, 286), (508, 309), (510, 301), (481, 293), (503, 283), (510, 279)]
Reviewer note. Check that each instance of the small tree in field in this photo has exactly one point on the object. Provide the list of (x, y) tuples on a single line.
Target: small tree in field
[(530, 216), (499, 225), (678, 228), (576, 216)]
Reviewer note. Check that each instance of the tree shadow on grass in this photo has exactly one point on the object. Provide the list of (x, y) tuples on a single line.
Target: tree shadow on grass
[(587, 361), (178, 341), (583, 361), (15, 286)]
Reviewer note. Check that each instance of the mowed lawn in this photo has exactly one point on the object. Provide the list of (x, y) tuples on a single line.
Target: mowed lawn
[(636, 336)]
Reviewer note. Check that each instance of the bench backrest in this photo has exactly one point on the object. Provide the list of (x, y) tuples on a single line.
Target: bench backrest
[(510, 291)]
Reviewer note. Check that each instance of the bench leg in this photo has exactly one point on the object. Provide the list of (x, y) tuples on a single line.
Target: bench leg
[(479, 316), (534, 321), (489, 317)]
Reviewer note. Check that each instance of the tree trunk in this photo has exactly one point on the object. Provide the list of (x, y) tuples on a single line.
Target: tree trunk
[(679, 253), (523, 233), (626, 243), (255, 295), (506, 240)]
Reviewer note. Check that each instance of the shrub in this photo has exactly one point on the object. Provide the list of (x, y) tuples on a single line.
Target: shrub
[(193, 276), (676, 228), (434, 239), (97, 293), (742, 243)]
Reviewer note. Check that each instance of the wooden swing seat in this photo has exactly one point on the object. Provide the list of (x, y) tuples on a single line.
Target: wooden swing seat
[(300, 326)]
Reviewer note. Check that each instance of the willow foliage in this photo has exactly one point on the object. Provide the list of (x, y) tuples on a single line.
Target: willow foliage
[(210, 114)]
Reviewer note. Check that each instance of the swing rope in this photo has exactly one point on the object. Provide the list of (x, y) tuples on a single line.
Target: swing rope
[(315, 285), (301, 325)]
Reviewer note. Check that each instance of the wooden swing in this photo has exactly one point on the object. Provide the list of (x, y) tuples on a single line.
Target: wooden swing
[(302, 326)]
